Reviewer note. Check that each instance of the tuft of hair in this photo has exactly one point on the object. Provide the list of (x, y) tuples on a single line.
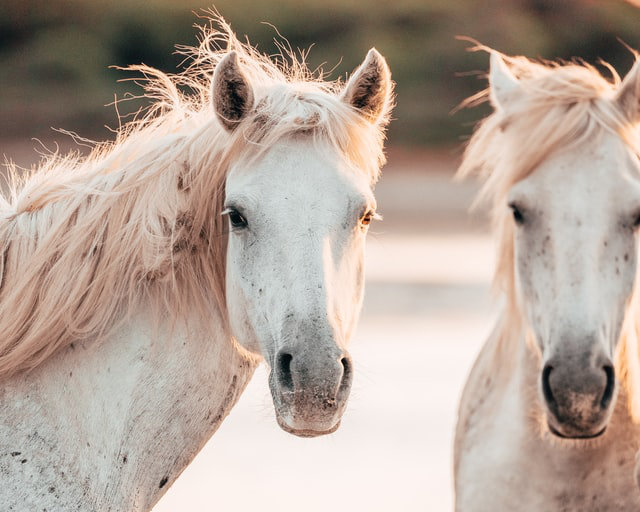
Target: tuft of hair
[(83, 240), (558, 105)]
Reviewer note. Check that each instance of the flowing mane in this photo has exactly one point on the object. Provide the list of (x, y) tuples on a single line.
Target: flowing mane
[(83, 240), (563, 105)]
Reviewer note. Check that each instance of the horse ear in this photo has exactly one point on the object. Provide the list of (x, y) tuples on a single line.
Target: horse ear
[(502, 82), (628, 95), (369, 88), (231, 91)]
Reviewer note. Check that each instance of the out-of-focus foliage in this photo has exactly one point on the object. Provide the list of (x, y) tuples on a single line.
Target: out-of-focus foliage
[(55, 54)]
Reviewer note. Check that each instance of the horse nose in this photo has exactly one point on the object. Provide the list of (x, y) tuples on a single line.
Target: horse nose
[(578, 393), (329, 375)]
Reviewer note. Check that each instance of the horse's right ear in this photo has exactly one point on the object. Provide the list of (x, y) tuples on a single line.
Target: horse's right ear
[(231, 91), (628, 95), (502, 82)]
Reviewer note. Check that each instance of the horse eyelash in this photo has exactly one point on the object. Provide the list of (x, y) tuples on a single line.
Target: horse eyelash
[(231, 209)]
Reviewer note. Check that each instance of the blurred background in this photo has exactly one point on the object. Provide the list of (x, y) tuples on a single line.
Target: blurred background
[(55, 54), (428, 305)]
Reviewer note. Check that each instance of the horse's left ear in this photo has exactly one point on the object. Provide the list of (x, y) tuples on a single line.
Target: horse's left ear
[(231, 91), (369, 88), (628, 95)]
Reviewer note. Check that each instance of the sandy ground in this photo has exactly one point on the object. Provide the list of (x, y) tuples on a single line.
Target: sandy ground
[(426, 313)]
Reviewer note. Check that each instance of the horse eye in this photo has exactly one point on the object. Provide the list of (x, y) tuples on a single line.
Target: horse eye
[(366, 219), (235, 218), (518, 217)]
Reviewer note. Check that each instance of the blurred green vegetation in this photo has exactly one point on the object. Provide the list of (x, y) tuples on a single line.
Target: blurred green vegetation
[(55, 54)]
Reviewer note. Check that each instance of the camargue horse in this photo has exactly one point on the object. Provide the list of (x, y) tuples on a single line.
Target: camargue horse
[(140, 285), (550, 416)]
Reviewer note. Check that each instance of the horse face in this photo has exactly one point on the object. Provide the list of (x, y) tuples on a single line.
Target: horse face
[(576, 219), (298, 220), (298, 217)]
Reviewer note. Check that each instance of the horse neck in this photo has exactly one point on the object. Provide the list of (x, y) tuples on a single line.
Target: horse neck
[(111, 424)]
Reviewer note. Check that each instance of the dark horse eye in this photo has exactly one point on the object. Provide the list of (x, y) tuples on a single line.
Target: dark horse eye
[(235, 218), (367, 218), (517, 214)]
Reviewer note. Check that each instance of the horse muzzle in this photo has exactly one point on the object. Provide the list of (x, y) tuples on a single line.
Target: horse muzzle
[(578, 398), (310, 394)]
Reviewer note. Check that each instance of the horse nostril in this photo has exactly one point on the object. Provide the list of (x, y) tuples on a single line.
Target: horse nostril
[(283, 371), (546, 386), (608, 390), (346, 367), (347, 370)]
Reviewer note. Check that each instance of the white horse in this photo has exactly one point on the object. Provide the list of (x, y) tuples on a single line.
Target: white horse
[(550, 416), (118, 352)]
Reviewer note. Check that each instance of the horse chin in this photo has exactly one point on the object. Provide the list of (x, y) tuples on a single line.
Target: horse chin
[(305, 432), (576, 434)]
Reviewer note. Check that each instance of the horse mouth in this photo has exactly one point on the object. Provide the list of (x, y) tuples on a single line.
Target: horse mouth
[(305, 432), (559, 434)]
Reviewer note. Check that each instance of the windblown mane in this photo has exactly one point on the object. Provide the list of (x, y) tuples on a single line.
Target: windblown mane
[(562, 105), (83, 240)]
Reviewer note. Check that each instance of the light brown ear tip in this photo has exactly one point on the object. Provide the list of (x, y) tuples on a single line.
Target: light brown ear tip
[(375, 57), (230, 59), (375, 60)]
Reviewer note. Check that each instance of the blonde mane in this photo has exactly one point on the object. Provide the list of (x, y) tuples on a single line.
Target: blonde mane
[(562, 105), (83, 240)]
